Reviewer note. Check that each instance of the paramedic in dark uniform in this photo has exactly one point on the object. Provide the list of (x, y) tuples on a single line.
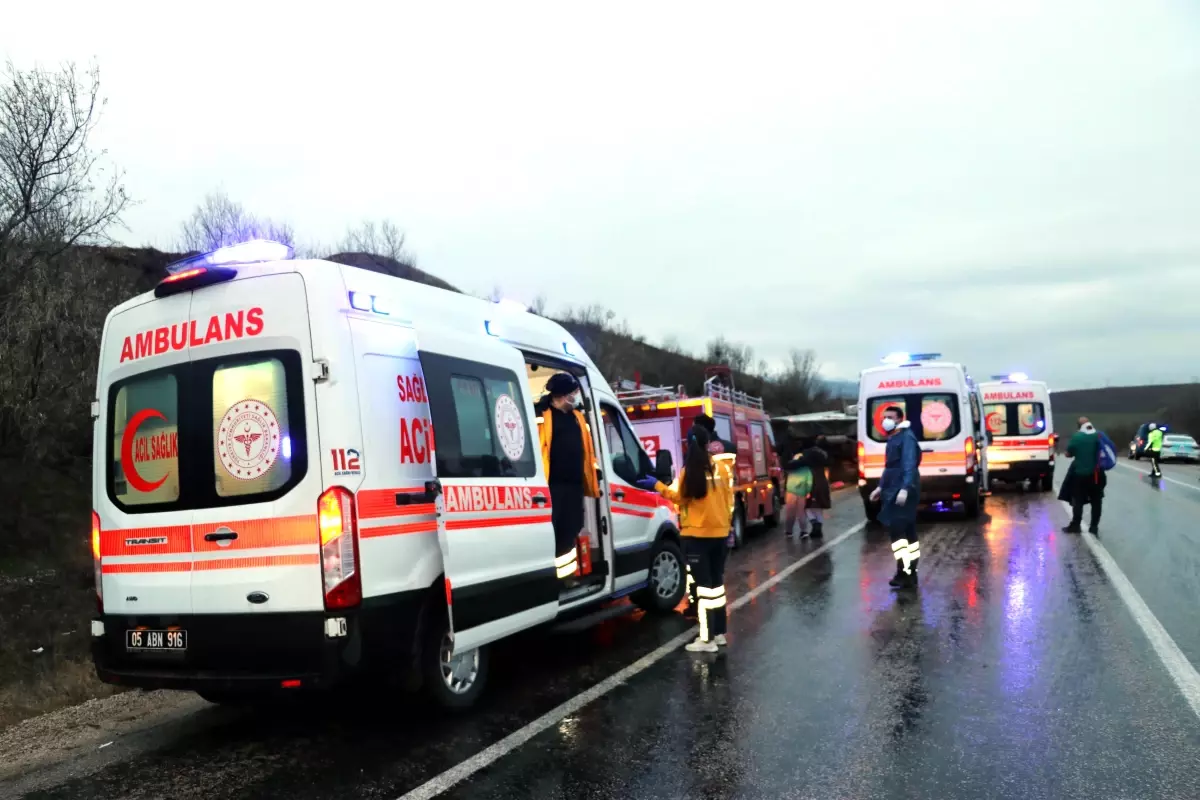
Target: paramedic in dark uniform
[(899, 492), (570, 462)]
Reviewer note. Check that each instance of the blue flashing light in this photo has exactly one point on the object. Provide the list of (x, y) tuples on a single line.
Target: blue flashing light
[(360, 301), (285, 447), (1018, 377), (251, 252)]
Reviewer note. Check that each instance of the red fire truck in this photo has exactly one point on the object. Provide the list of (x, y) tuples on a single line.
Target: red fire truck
[(662, 417)]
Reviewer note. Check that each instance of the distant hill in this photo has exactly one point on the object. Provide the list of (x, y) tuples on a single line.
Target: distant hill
[(1119, 410)]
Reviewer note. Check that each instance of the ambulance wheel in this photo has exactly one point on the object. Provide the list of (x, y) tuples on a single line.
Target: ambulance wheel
[(871, 510), (452, 682), (973, 504), (1047, 483), (668, 580)]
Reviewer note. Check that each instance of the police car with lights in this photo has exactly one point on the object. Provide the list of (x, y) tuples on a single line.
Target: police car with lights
[(1021, 424), (307, 471), (942, 404)]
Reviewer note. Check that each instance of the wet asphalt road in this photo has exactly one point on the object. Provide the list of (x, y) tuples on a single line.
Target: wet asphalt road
[(1016, 671)]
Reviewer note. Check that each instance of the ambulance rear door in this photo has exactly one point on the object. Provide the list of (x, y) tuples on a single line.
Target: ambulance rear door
[(146, 525), (255, 490), (493, 512)]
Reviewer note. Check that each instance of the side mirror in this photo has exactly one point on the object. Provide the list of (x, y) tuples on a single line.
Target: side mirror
[(664, 470)]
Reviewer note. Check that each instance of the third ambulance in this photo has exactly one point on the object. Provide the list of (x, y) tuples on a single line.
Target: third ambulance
[(1017, 412), (942, 404), (306, 472)]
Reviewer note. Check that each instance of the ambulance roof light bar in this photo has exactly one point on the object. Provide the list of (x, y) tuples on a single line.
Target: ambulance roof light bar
[(1014, 377), (249, 252), (905, 359)]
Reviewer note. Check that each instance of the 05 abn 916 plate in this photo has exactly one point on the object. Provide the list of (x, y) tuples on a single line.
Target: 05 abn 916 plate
[(158, 641)]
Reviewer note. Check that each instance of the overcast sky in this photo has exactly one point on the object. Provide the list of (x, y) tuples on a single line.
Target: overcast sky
[(1015, 185)]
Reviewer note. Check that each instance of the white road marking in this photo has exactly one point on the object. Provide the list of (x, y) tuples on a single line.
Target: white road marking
[(1176, 663), (493, 753), (1164, 477)]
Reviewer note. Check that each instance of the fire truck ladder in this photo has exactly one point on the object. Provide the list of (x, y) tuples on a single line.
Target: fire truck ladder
[(719, 391)]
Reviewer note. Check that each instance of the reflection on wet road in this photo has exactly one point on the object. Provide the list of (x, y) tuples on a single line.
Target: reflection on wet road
[(1015, 671)]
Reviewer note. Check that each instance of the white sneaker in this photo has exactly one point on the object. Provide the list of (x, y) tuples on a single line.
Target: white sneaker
[(701, 646), (720, 640)]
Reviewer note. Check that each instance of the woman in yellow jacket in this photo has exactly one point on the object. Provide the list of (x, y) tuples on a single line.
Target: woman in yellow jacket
[(703, 491)]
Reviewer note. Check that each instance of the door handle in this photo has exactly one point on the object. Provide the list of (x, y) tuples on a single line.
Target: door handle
[(429, 495), (619, 494), (220, 535), (539, 499)]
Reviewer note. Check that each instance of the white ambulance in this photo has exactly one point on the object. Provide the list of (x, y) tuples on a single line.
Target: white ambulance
[(1018, 416), (306, 471), (943, 406)]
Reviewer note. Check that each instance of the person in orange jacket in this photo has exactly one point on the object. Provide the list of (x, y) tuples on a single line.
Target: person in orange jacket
[(570, 462), (703, 491)]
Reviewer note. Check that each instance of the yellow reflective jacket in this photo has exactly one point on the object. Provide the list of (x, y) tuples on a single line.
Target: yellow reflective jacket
[(708, 517), (591, 485)]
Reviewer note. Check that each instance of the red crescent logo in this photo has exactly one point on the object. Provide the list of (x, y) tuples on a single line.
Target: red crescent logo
[(131, 473)]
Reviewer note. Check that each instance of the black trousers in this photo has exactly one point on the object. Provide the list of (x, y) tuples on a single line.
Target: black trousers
[(566, 515), (906, 548), (706, 560), (1155, 457)]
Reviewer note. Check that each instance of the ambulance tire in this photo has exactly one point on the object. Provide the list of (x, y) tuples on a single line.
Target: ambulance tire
[(1047, 483), (871, 510), (667, 561), (973, 504), (436, 682)]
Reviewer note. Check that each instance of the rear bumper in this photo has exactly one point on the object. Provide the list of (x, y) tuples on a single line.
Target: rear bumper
[(937, 488), (259, 652), (1019, 470)]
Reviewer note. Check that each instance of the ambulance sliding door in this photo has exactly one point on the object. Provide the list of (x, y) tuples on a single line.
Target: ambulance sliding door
[(493, 518)]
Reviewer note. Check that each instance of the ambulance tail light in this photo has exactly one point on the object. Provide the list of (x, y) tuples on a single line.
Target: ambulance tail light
[(339, 549), (96, 562), (969, 449), (862, 458)]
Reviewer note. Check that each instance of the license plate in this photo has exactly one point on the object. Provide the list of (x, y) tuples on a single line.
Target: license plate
[(156, 641), (1000, 466)]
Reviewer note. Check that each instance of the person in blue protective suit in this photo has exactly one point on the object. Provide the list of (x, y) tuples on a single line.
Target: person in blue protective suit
[(899, 492)]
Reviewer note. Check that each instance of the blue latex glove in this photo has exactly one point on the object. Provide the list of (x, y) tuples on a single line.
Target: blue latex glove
[(648, 483)]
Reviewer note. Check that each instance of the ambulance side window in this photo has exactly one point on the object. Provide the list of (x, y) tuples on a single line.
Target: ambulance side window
[(629, 461), (145, 446), (480, 422)]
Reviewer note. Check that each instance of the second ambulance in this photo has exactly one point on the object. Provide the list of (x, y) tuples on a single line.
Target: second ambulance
[(943, 405), (1017, 411)]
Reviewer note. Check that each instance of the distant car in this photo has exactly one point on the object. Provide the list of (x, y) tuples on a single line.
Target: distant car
[(1180, 447)]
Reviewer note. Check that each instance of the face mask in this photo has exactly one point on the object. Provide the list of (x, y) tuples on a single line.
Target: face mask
[(577, 401), (889, 424)]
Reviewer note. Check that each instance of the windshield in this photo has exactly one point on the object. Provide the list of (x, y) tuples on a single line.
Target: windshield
[(207, 433), (934, 416)]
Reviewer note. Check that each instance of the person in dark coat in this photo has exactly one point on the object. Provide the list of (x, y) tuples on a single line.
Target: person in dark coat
[(899, 493), (816, 458), (1085, 481)]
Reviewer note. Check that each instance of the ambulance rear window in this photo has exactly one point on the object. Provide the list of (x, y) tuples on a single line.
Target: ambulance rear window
[(145, 440), (209, 433), (933, 417), (1015, 419)]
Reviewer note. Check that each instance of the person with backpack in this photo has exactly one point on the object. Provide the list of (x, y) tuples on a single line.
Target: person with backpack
[(1092, 454), (899, 493)]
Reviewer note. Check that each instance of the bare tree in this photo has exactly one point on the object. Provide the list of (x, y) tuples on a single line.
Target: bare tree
[(738, 357), (56, 193), (538, 306), (219, 221), (54, 190), (379, 239)]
